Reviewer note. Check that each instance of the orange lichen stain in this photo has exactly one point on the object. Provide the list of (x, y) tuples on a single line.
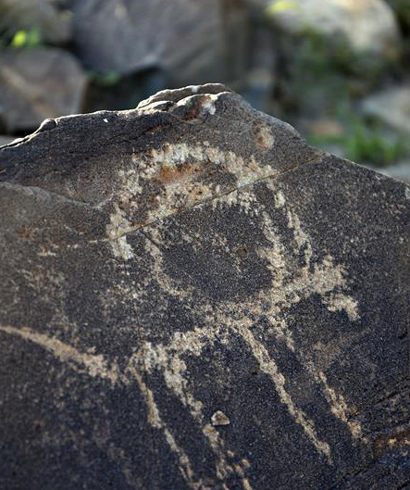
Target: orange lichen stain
[(397, 440), (193, 113), (185, 171), (264, 138), (25, 233)]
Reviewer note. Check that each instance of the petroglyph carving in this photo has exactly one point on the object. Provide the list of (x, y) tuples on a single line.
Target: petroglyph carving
[(321, 279)]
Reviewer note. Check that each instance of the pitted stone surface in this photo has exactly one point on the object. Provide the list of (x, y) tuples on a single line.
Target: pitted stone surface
[(189, 259)]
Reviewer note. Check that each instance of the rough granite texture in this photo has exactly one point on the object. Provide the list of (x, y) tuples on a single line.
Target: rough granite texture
[(193, 298)]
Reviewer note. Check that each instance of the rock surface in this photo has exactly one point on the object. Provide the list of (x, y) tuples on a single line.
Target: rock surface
[(36, 84), (369, 26), (182, 36), (191, 257)]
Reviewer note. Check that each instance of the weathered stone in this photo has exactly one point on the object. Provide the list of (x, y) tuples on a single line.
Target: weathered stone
[(369, 26), (391, 106), (36, 84), (189, 257), (54, 26), (183, 37)]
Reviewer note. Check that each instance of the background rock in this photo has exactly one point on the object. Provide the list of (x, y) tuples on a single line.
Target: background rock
[(391, 106), (4, 140), (369, 26), (399, 171), (260, 77), (182, 37), (190, 257), (36, 84), (118, 92)]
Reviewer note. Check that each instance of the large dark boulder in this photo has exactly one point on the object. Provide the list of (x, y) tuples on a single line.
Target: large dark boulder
[(193, 298)]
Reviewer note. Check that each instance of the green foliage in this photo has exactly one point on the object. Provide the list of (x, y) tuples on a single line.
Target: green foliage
[(22, 39), (278, 6), (107, 79), (27, 39), (370, 146), (317, 73), (312, 81), (366, 143)]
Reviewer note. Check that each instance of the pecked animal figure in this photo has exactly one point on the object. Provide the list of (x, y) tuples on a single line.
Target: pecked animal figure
[(194, 298)]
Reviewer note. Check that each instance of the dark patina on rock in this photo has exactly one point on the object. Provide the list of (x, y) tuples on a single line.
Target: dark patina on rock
[(194, 298)]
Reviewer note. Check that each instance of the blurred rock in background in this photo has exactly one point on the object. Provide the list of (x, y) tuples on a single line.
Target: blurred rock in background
[(5, 140), (392, 106), (338, 70), (37, 84), (115, 91), (182, 37), (367, 26)]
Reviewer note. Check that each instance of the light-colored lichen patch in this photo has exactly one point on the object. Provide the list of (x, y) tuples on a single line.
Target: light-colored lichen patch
[(279, 199), (209, 106), (197, 105), (342, 302), (117, 234)]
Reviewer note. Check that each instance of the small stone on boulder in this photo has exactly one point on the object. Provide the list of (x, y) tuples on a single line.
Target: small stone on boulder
[(219, 418)]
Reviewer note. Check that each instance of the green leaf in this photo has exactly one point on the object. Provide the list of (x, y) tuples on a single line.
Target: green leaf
[(19, 39), (281, 6), (27, 39)]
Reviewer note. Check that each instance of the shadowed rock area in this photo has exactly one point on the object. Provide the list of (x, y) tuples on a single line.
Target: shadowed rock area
[(194, 298)]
